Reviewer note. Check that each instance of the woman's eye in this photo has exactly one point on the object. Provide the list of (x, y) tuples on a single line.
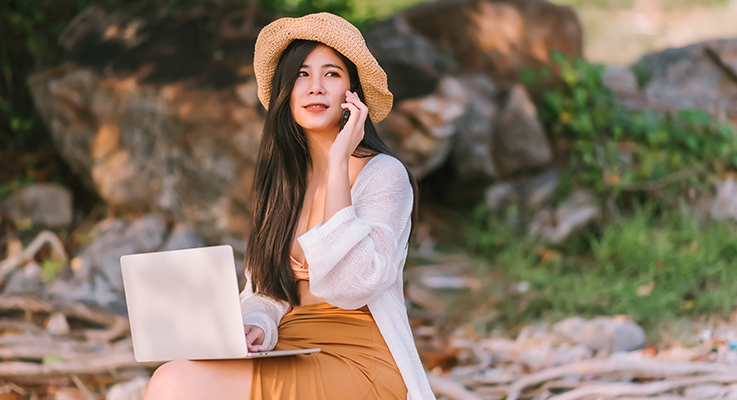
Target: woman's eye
[(302, 73), (332, 74)]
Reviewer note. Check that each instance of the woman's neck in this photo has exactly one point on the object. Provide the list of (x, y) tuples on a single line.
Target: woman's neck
[(319, 144)]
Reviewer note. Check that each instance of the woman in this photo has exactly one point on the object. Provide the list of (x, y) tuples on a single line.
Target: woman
[(332, 219)]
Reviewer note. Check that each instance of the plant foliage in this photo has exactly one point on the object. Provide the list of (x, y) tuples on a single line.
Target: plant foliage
[(615, 150)]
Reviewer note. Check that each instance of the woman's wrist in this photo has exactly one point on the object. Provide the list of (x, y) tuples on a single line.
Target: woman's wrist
[(337, 165)]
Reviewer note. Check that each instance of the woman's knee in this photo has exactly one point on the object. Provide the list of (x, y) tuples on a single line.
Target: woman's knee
[(184, 379), (169, 379)]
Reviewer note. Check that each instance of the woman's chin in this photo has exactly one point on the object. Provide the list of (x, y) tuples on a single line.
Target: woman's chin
[(319, 126)]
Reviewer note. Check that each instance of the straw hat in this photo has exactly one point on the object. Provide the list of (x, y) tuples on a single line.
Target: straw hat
[(333, 31)]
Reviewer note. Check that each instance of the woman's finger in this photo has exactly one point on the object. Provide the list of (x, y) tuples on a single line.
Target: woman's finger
[(356, 101)]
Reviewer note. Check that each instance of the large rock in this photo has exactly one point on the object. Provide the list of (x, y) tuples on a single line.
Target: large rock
[(97, 276), (472, 156), (498, 37), (151, 123), (701, 76), (413, 66)]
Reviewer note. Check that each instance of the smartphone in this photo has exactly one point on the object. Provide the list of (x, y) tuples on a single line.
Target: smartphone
[(344, 118)]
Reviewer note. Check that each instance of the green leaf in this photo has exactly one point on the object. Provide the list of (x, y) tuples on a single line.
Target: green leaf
[(696, 117), (52, 358), (51, 269)]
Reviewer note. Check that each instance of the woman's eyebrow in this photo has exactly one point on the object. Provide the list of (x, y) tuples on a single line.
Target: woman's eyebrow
[(324, 66)]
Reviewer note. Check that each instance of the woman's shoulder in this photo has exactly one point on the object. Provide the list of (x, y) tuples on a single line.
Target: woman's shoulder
[(385, 165), (383, 169)]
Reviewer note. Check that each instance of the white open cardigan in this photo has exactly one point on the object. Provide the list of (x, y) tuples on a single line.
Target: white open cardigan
[(356, 258)]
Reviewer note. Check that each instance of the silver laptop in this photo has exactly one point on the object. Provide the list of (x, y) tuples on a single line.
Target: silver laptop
[(185, 305)]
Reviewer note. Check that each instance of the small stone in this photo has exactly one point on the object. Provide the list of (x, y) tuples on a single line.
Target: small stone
[(602, 333), (45, 204), (539, 189), (724, 205), (131, 390), (57, 324), (498, 194)]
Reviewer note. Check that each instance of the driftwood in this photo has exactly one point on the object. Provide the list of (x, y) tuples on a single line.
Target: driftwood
[(629, 389), (16, 260), (92, 366), (35, 354), (454, 390), (116, 325), (649, 367)]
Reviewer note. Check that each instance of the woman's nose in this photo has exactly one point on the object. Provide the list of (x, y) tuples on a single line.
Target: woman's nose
[(316, 85)]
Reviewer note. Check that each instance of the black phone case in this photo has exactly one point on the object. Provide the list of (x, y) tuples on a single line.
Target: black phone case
[(344, 118)]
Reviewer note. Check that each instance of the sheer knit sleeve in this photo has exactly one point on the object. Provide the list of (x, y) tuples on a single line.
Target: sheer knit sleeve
[(354, 256), (264, 312)]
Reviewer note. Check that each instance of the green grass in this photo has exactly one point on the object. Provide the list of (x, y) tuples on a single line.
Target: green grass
[(627, 4), (692, 269)]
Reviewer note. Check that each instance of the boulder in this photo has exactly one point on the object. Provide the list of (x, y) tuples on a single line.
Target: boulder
[(97, 275), (520, 142), (498, 37), (421, 130), (472, 156), (702, 76), (413, 66), (43, 204), (152, 123)]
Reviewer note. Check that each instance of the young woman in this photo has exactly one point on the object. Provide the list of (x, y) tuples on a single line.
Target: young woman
[(332, 219)]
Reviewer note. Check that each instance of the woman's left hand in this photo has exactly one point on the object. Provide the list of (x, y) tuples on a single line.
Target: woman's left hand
[(352, 134)]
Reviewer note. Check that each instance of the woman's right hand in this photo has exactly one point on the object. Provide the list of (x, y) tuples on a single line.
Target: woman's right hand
[(254, 338)]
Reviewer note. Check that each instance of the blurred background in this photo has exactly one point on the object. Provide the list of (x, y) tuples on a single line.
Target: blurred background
[(577, 164)]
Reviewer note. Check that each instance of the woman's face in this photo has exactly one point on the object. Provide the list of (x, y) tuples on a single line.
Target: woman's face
[(319, 91)]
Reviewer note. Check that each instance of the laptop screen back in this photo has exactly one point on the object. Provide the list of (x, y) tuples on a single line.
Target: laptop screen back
[(184, 304)]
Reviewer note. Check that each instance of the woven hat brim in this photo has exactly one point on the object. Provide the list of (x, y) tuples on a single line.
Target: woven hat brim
[(334, 32)]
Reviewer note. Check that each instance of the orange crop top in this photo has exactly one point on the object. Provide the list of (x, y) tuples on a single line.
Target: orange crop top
[(301, 272)]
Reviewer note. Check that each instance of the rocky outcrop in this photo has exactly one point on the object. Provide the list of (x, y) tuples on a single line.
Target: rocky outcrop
[(498, 37), (185, 152), (153, 121), (701, 76)]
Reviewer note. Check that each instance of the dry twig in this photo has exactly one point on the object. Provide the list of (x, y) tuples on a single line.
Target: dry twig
[(14, 261), (454, 390)]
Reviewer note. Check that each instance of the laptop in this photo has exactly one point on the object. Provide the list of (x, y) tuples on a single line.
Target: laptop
[(185, 305)]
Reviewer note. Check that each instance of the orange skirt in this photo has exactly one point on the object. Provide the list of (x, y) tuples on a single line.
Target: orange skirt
[(354, 363)]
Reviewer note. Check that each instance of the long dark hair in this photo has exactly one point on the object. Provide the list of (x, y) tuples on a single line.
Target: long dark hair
[(281, 178)]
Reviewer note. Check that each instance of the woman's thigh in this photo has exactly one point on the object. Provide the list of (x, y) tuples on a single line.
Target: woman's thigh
[(217, 379)]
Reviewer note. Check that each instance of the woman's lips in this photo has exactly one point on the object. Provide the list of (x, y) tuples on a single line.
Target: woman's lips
[(316, 107)]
